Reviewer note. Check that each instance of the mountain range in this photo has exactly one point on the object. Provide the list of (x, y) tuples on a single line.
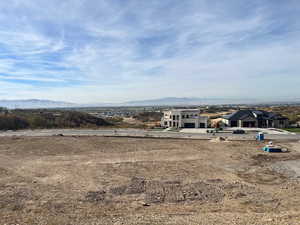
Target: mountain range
[(169, 101), (34, 103), (187, 101)]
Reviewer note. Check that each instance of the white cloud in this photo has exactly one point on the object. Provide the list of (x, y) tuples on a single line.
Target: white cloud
[(110, 51)]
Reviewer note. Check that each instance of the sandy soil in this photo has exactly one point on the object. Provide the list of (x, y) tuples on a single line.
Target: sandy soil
[(97, 180)]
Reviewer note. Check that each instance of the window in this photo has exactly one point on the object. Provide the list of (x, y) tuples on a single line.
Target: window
[(177, 117), (173, 117)]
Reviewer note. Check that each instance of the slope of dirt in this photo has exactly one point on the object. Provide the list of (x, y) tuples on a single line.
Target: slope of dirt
[(97, 180)]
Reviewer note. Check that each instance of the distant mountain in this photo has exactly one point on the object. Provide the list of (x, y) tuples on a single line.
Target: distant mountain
[(170, 101), (34, 104), (187, 101)]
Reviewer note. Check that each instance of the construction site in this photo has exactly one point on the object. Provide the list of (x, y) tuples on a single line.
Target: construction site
[(120, 180)]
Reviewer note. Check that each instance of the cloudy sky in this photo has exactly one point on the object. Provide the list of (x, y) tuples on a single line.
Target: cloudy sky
[(118, 50)]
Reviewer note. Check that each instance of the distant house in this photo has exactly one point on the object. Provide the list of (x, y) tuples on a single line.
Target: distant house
[(255, 118), (184, 118)]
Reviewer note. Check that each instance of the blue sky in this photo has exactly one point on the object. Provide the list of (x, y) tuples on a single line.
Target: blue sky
[(89, 51)]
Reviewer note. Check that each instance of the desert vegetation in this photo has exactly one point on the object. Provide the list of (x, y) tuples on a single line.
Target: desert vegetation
[(149, 116), (35, 119)]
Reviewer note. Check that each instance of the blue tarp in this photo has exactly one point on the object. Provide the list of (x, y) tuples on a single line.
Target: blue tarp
[(272, 149)]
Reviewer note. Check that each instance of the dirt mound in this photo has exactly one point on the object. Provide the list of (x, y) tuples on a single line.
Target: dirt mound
[(175, 191), (203, 192), (219, 139), (118, 190), (14, 197), (238, 190), (169, 191), (209, 191), (136, 186), (155, 192), (95, 196)]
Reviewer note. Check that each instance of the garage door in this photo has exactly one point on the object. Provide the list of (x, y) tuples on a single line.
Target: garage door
[(189, 125), (202, 125), (249, 124)]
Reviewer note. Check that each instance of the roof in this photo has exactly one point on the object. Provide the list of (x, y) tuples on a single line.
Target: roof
[(184, 110), (238, 114), (259, 114)]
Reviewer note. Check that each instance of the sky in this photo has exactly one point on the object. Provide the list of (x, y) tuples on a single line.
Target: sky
[(92, 51)]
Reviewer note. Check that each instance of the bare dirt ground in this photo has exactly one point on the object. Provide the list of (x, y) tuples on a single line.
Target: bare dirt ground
[(98, 180)]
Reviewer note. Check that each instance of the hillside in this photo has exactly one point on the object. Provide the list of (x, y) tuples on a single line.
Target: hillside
[(22, 119)]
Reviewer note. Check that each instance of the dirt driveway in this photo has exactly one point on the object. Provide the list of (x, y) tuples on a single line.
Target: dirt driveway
[(98, 180)]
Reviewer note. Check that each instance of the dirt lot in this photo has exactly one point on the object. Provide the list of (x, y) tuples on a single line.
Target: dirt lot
[(97, 180)]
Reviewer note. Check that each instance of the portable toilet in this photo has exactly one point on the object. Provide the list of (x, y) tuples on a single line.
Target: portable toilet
[(260, 136)]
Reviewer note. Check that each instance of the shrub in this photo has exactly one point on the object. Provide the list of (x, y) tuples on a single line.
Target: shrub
[(12, 122)]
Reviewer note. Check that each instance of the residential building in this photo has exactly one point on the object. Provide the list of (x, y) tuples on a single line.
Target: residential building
[(184, 118), (255, 118)]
